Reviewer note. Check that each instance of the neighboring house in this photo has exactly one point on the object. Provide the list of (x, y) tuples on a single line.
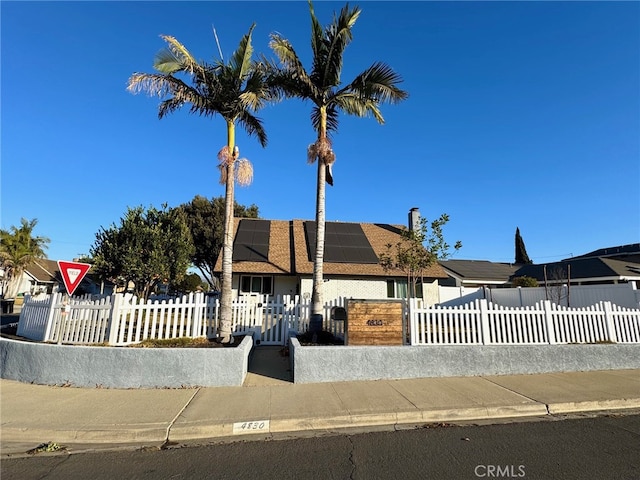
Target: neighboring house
[(605, 266), (629, 252), (38, 277), (276, 257), (43, 276), (477, 273)]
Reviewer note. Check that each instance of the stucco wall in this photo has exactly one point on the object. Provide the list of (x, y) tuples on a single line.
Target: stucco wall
[(284, 285), (121, 367), (348, 287), (313, 364)]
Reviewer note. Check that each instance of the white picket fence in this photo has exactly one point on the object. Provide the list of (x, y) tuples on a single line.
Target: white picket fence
[(621, 294), (484, 323), (124, 320), (65, 320)]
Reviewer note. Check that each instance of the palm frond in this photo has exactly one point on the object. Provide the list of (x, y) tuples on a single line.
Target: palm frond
[(175, 58), (284, 51), (291, 83), (338, 36), (168, 106), (316, 33), (331, 118), (291, 80), (151, 83), (253, 126), (166, 62), (256, 90), (240, 61), (266, 71), (379, 82), (235, 90), (328, 46), (354, 104)]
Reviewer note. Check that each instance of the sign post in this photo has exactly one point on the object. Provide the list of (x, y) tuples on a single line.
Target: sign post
[(72, 274)]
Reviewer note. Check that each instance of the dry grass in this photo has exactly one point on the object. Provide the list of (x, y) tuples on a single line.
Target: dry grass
[(185, 342), (180, 342)]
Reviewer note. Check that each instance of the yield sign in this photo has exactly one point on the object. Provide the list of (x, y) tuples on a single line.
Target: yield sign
[(72, 274)]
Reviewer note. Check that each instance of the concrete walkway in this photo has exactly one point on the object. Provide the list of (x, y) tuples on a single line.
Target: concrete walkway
[(269, 405)]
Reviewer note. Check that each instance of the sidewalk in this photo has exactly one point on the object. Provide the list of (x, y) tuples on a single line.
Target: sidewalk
[(268, 406)]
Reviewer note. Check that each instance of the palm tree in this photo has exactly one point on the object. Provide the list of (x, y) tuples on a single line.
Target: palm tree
[(18, 249), (236, 91), (322, 86)]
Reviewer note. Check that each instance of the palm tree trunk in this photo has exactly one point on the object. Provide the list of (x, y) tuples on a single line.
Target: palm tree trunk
[(13, 285), (224, 328), (317, 297)]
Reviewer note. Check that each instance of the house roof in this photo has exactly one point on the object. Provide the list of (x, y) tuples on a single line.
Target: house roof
[(588, 268), (479, 271), (621, 250), (44, 270), (289, 252)]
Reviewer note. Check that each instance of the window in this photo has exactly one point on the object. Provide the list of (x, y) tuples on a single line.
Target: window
[(391, 289), (398, 288), (256, 284)]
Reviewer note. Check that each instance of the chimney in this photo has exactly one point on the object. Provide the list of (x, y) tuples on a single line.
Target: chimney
[(414, 219)]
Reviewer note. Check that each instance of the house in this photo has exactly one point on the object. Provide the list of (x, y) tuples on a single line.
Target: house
[(43, 276), (611, 265), (629, 252), (477, 273), (276, 257)]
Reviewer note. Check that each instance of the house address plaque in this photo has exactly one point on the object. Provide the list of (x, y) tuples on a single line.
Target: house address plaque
[(374, 322)]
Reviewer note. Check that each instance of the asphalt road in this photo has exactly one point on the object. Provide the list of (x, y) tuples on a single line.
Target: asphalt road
[(590, 448)]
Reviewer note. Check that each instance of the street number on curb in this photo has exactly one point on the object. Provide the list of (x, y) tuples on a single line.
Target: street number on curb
[(258, 426)]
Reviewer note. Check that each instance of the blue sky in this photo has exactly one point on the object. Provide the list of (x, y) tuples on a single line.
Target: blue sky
[(520, 114)]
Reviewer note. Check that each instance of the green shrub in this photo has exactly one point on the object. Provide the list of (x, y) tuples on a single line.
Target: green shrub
[(525, 282)]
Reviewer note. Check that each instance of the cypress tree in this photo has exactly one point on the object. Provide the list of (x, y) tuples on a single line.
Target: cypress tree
[(521, 252)]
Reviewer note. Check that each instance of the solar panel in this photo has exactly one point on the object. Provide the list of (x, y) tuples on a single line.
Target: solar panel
[(343, 243), (252, 241)]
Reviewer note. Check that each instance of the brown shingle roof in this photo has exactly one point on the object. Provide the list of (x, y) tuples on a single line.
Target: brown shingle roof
[(279, 255), (43, 270), (288, 253)]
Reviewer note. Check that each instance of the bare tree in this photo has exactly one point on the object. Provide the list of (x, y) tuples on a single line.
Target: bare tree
[(557, 283)]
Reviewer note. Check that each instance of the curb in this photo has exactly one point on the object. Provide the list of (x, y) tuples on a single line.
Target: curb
[(592, 406), (102, 437), (291, 425), (157, 435)]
